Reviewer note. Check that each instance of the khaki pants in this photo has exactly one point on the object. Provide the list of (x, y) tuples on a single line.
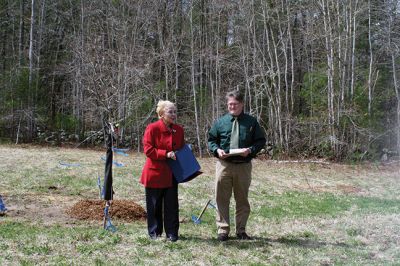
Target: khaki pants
[(236, 177)]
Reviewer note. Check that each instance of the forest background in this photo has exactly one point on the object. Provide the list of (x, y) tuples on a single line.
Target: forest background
[(320, 75)]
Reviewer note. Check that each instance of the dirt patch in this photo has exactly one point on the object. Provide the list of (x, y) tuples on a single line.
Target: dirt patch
[(125, 210), (46, 209), (51, 209)]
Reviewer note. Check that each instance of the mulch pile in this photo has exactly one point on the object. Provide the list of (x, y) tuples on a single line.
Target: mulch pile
[(125, 210)]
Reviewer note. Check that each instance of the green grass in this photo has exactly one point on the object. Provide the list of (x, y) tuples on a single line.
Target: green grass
[(302, 214), (295, 204)]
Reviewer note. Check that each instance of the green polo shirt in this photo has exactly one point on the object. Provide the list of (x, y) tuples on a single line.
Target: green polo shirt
[(251, 136)]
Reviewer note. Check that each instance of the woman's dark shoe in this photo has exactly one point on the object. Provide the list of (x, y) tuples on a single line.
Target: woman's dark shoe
[(172, 238), (154, 236)]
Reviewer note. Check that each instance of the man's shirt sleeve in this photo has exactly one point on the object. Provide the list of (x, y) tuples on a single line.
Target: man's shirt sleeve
[(213, 139), (258, 140)]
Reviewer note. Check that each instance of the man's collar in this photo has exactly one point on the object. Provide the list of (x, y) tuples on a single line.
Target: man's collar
[(231, 117)]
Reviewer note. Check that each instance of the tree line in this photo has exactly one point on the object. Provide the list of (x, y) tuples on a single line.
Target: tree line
[(320, 75)]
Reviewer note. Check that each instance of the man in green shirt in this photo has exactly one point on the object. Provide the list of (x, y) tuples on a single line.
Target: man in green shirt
[(235, 139)]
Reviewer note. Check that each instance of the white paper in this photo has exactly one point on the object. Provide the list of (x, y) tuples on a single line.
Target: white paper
[(233, 152)]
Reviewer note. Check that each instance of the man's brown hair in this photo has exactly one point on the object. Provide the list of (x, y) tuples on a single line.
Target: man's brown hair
[(236, 94)]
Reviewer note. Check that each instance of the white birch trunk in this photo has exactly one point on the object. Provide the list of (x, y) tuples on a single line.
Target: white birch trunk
[(193, 84), (31, 43), (371, 60), (31, 115), (353, 50), (395, 85), (21, 33), (330, 71)]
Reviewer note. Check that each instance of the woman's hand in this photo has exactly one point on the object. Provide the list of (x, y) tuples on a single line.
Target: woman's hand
[(171, 155)]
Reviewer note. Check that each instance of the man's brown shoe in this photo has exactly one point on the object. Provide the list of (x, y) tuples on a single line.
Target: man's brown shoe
[(243, 236), (222, 237)]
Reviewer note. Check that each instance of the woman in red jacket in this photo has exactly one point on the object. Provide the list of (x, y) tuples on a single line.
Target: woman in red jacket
[(160, 140)]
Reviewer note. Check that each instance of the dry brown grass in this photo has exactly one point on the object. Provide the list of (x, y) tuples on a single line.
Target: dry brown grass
[(38, 190)]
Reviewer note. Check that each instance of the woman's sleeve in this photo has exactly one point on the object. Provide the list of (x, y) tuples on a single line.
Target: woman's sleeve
[(183, 136), (149, 145)]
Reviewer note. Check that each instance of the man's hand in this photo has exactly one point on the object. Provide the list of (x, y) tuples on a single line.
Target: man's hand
[(222, 154), (246, 152)]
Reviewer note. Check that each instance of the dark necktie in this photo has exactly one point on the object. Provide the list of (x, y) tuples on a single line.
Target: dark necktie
[(235, 135)]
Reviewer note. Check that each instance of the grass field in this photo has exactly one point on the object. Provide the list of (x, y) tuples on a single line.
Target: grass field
[(302, 214)]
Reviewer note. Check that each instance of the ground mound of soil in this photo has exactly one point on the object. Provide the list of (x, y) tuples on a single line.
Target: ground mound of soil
[(126, 210)]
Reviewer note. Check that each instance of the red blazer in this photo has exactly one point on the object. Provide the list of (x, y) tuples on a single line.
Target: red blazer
[(158, 140)]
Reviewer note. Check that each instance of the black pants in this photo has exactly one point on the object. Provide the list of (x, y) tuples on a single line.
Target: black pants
[(162, 208)]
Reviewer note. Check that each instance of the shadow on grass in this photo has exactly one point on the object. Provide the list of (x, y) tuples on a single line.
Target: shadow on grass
[(306, 243), (265, 242)]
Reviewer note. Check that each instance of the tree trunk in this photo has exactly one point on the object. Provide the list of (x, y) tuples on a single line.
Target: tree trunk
[(394, 70), (21, 34), (31, 44), (395, 85), (330, 72), (353, 53), (39, 47), (31, 101), (193, 83), (371, 60)]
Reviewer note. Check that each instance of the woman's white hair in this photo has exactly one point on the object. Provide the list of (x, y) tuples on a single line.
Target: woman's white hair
[(161, 105)]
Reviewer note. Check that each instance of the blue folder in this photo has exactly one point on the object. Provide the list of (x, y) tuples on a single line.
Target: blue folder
[(185, 167)]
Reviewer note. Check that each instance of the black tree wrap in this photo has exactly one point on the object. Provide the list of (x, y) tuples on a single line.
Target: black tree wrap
[(107, 188)]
